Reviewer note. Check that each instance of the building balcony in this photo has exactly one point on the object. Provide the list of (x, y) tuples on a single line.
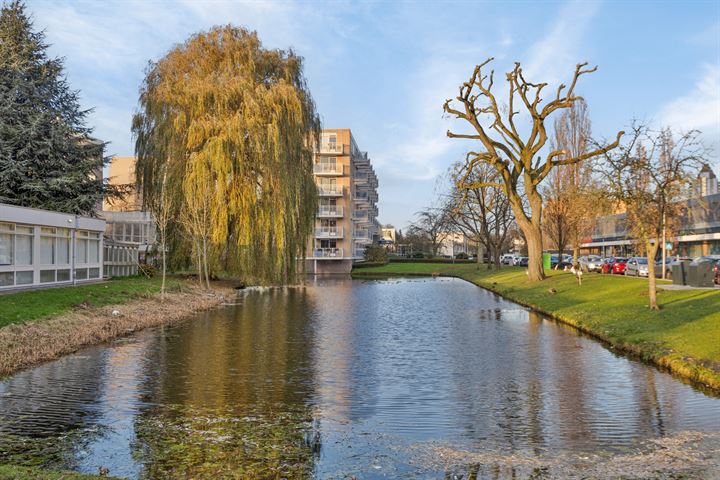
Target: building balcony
[(330, 211), (328, 253), (361, 197), (329, 232), (331, 149), (331, 191), (328, 169)]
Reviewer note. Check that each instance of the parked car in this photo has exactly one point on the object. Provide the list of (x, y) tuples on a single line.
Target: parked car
[(565, 262), (607, 264), (590, 263), (508, 259), (522, 262), (637, 267), (618, 267)]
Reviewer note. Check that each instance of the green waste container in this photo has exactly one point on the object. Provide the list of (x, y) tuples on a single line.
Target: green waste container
[(547, 264)]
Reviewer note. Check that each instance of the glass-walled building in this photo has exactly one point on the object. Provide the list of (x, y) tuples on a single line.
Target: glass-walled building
[(44, 248)]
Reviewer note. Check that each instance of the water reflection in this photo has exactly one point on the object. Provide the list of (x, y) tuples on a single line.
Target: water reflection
[(338, 378)]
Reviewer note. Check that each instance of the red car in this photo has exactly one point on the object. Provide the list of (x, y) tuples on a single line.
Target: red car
[(606, 265), (619, 266)]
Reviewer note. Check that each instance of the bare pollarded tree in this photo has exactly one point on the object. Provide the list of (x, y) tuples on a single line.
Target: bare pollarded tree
[(516, 157)]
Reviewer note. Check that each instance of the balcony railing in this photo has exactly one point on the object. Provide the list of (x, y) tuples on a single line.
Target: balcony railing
[(330, 211), (361, 234), (329, 232), (328, 253), (330, 191), (331, 148), (328, 169)]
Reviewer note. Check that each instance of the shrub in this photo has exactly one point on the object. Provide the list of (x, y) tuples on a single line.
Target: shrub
[(376, 254), (147, 270), (462, 256), (418, 255)]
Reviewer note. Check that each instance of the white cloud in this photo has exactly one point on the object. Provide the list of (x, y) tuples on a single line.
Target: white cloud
[(553, 58), (698, 109)]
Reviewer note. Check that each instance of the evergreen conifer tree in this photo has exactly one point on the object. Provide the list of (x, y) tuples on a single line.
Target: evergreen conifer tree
[(47, 157)]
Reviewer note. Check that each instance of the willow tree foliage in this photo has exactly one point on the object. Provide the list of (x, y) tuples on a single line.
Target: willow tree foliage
[(227, 126)]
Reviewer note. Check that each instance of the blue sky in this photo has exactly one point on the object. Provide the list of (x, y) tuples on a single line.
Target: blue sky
[(384, 69)]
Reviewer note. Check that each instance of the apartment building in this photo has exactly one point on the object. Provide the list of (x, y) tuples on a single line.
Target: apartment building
[(346, 220)]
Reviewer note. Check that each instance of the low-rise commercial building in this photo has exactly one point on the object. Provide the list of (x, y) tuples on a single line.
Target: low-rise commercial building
[(698, 234), (346, 221), (44, 248)]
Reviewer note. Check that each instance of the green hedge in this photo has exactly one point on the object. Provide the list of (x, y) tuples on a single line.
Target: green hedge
[(429, 260), (368, 264)]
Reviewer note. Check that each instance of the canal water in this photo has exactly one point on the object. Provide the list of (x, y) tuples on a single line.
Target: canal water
[(400, 378)]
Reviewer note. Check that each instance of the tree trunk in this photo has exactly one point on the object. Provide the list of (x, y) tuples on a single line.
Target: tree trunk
[(560, 258), (199, 261), (496, 249), (576, 253), (652, 284), (164, 267), (479, 254), (205, 264), (533, 238), (532, 229)]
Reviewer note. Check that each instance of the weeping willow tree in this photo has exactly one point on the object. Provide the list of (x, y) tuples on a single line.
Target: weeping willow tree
[(231, 125)]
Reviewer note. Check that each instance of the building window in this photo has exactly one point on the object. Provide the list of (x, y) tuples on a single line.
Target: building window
[(23, 278), (54, 246), (6, 244), (6, 279), (63, 275), (23, 246), (47, 250), (47, 276), (87, 247)]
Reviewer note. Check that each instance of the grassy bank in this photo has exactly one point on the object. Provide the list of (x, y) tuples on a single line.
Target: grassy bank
[(9, 472), (42, 325), (33, 305), (683, 337)]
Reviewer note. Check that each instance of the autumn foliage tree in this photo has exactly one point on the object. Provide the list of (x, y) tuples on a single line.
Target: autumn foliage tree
[(225, 129), (516, 156), (572, 192)]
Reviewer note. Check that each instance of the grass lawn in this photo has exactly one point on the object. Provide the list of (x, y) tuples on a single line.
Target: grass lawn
[(684, 335), (37, 304), (8, 472)]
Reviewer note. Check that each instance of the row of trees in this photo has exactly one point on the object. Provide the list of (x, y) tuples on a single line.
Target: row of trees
[(554, 186)]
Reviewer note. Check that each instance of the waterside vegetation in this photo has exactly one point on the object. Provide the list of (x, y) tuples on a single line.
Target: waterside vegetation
[(38, 326)]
